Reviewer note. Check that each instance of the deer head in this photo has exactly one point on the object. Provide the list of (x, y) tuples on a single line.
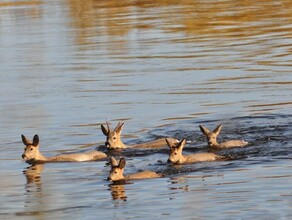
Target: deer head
[(211, 136), (117, 169), (113, 138), (175, 153), (31, 150)]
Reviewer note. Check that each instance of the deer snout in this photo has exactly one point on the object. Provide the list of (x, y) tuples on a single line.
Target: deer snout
[(109, 179), (168, 161), (107, 144), (23, 156), (211, 144)]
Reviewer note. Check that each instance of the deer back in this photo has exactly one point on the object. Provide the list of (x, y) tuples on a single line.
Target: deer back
[(114, 141), (156, 143), (201, 157), (232, 143), (147, 174), (78, 157)]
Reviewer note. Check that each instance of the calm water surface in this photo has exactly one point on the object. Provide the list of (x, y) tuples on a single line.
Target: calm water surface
[(162, 67)]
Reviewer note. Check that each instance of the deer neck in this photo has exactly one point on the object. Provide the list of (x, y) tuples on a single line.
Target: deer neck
[(119, 144), (122, 145), (183, 159), (124, 177), (40, 157), (214, 144)]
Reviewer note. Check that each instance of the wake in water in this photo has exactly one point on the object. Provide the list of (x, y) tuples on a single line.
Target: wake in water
[(268, 139)]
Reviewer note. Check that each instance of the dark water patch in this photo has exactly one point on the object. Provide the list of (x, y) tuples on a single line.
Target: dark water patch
[(269, 138), (175, 133), (132, 152), (173, 170), (268, 135)]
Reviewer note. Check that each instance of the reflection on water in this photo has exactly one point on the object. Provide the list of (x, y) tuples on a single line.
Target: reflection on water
[(33, 176), (118, 192), (34, 195), (253, 35), (67, 66), (234, 57)]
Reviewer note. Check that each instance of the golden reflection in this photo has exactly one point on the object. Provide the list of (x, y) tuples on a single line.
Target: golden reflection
[(37, 199), (33, 176), (228, 31), (34, 196), (19, 3), (92, 18), (229, 18), (21, 8), (118, 191)]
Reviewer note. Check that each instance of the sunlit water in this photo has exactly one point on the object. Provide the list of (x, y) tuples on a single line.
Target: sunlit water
[(162, 67)]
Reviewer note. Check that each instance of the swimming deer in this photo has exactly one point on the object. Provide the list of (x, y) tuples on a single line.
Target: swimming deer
[(32, 153), (176, 156), (212, 138), (113, 139), (117, 172)]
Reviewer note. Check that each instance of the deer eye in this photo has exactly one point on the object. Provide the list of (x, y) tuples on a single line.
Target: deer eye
[(116, 172), (114, 138), (31, 149), (175, 153)]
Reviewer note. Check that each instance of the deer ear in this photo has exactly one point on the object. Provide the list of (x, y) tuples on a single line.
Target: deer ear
[(171, 143), (25, 140), (217, 130), (168, 142), (119, 128), (113, 162), (36, 140), (105, 131), (122, 163), (204, 130), (182, 143)]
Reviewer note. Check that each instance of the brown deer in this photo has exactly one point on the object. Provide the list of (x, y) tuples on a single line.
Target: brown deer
[(117, 172), (212, 138), (32, 154), (176, 156), (113, 139)]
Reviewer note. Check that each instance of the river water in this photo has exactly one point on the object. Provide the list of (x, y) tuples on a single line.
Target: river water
[(162, 67)]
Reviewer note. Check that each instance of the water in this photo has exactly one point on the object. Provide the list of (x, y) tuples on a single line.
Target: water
[(163, 67)]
